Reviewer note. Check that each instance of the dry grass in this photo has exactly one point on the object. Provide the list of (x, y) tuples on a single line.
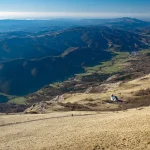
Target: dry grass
[(143, 92), (85, 130), (129, 93), (81, 131), (122, 90)]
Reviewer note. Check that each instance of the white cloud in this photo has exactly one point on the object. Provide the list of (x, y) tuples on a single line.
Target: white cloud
[(43, 15)]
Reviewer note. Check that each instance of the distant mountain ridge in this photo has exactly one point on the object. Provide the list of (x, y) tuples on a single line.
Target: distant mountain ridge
[(9, 25), (46, 44), (31, 60)]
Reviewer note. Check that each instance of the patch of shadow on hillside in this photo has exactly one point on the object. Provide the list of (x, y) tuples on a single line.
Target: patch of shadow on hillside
[(21, 77)]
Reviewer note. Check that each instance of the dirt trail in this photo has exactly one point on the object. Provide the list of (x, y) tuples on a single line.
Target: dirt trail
[(83, 131)]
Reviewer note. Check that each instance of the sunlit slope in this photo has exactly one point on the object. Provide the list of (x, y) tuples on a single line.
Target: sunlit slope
[(121, 89), (84, 131)]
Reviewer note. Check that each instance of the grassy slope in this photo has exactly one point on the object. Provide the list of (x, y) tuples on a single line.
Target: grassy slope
[(123, 90), (109, 67), (115, 65), (83, 131), (100, 101), (18, 100)]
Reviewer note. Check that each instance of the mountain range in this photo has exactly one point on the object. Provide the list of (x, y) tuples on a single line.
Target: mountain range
[(31, 60)]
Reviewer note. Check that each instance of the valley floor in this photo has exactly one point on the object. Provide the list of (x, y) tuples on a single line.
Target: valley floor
[(81, 131)]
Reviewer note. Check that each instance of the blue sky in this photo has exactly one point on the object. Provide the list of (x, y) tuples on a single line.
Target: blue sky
[(74, 8)]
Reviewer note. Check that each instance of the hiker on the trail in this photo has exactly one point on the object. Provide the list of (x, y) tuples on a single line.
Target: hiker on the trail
[(114, 98)]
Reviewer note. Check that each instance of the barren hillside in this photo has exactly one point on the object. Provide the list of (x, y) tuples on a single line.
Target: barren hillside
[(83, 130)]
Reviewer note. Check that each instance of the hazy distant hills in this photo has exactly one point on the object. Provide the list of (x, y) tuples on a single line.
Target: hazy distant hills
[(32, 60), (47, 44), (59, 24), (128, 23)]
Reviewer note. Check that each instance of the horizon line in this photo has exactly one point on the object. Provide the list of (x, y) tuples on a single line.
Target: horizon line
[(79, 15)]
